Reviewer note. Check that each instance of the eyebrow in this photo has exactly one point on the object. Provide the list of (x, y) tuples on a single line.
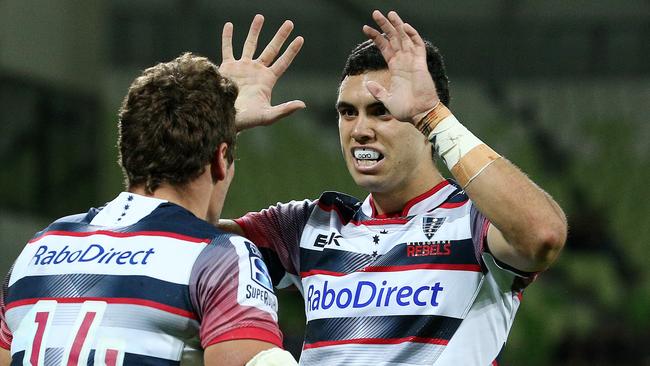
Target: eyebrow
[(340, 105), (376, 104)]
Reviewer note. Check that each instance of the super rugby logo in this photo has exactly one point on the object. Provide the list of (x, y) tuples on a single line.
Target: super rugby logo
[(259, 272), (430, 225)]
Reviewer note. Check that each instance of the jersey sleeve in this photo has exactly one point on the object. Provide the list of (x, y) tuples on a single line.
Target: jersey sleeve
[(277, 231), (5, 334), (480, 225), (232, 293)]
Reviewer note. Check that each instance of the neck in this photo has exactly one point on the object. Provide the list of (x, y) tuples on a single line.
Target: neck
[(191, 196), (387, 203)]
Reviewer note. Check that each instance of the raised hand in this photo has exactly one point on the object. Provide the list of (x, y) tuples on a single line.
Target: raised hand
[(412, 92), (256, 77)]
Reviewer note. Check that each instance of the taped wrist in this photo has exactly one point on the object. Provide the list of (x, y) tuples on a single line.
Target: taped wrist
[(432, 118), (465, 155)]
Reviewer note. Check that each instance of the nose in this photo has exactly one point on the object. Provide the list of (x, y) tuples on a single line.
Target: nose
[(362, 132)]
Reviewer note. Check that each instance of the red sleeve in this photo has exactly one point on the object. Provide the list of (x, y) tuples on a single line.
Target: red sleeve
[(279, 229), (228, 291), (5, 334)]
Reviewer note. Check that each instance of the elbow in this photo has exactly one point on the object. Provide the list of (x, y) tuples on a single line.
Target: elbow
[(547, 243)]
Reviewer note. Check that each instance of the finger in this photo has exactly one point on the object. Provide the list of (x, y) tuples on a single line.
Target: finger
[(283, 62), (388, 28), (380, 41), (226, 42), (414, 35), (379, 92), (273, 48), (398, 23), (280, 111), (251, 40)]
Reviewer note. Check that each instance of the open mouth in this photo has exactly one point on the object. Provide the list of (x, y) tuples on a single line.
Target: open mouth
[(367, 156)]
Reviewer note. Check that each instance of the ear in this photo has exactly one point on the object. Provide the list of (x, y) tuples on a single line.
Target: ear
[(219, 163)]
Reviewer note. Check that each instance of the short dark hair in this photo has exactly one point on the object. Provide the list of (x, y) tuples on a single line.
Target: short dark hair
[(367, 57), (172, 121)]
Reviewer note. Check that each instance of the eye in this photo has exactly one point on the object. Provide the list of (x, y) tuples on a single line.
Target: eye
[(347, 112), (382, 112)]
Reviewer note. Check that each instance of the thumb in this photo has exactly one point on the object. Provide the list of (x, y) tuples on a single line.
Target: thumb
[(379, 92), (283, 110)]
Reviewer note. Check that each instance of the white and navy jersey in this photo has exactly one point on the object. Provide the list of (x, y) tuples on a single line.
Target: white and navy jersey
[(415, 288), (139, 282)]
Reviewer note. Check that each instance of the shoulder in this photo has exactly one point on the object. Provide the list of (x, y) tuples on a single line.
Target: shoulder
[(338, 198), (344, 204), (174, 219), (71, 223), (80, 218), (225, 249), (233, 258), (458, 197)]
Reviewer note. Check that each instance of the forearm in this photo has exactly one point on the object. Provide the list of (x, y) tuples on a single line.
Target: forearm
[(247, 352), (5, 357), (529, 227)]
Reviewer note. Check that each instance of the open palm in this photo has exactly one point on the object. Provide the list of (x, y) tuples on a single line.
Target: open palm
[(411, 92), (256, 78)]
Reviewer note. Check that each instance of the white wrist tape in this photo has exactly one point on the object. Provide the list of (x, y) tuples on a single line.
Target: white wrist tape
[(273, 357), (452, 140)]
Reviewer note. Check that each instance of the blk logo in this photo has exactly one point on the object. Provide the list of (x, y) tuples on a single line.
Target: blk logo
[(323, 240)]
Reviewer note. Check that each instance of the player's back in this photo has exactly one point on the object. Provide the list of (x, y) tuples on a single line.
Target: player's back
[(109, 288)]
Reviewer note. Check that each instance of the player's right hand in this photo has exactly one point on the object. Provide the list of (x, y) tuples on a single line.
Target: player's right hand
[(412, 92), (256, 78)]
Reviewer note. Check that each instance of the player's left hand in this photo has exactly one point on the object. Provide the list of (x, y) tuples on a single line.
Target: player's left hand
[(412, 92), (256, 78)]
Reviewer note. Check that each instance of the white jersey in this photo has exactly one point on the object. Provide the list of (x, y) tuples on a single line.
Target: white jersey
[(415, 288), (140, 282)]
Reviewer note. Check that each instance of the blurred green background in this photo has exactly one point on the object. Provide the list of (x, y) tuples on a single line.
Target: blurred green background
[(562, 88)]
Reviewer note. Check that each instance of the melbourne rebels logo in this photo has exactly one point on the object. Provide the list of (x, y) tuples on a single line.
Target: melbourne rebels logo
[(430, 225), (259, 272)]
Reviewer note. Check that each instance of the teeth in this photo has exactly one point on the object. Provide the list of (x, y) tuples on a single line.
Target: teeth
[(366, 154), (366, 162)]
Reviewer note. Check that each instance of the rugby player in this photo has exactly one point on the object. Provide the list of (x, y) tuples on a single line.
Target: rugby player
[(425, 270), (145, 279)]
